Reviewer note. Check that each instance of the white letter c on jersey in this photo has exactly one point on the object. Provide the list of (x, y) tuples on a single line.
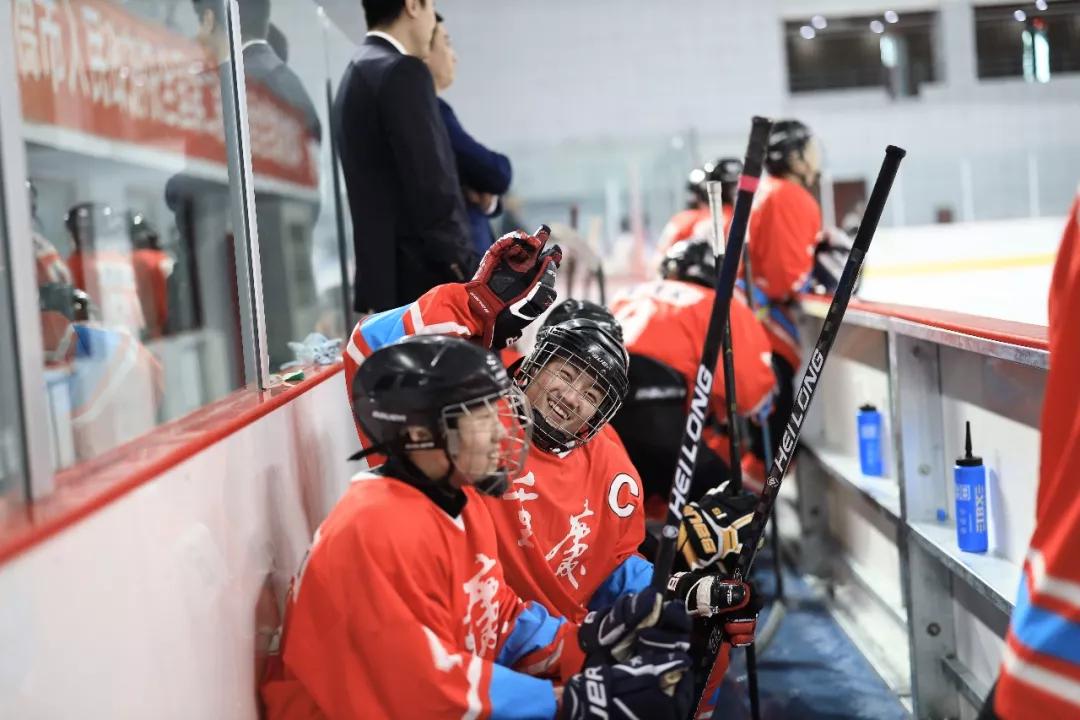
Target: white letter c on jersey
[(613, 495)]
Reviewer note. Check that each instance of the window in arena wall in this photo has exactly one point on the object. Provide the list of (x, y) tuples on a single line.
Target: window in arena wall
[(893, 51), (1034, 41)]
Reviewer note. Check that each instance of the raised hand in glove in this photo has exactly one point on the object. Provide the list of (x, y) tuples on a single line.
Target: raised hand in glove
[(714, 527), (514, 284), (648, 685), (732, 602), (636, 622)]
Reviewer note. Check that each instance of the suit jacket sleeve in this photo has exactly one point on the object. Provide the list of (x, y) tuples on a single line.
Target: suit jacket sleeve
[(428, 179), (480, 169)]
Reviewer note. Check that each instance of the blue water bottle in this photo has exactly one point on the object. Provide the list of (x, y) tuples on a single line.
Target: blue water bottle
[(970, 477), (870, 441)]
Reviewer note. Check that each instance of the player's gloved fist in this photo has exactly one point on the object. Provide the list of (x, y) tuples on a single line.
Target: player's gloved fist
[(514, 284), (715, 527), (733, 603), (648, 685), (636, 622)]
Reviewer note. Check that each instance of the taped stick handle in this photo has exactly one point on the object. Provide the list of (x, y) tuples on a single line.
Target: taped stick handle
[(809, 384), (725, 287)]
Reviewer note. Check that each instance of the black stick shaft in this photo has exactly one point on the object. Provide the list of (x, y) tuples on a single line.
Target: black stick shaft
[(808, 387), (766, 435), (725, 286)]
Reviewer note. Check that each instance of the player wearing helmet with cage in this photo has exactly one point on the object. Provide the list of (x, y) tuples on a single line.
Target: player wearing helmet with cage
[(570, 524), (696, 219), (402, 587)]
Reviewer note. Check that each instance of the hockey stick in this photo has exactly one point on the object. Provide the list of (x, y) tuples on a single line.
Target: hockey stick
[(734, 449), (699, 403), (778, 610), (807, 388)]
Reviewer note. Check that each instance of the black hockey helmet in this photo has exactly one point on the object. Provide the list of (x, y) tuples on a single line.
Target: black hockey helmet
[(725, 171), (433, 382), (691, 261), (144, 236), (577, 373), (574, 309), (785, 137)]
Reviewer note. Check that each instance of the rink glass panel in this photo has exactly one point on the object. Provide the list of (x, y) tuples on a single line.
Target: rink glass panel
[(12, 464), (128, 168), (287, 66)]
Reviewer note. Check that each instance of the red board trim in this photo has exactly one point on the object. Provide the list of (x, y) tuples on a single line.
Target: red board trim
[(1004, 331), (87, 487)]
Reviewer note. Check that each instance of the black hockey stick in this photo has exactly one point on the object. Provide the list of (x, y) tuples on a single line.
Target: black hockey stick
[(808, 386), (734, 446), (699, 402), (805, 394), (778, 610)]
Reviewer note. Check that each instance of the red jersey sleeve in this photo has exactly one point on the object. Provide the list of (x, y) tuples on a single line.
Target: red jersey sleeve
[(1040, 674), (783, 234)]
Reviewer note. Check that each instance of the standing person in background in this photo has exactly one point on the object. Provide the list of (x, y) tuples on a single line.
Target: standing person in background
[(784, 230), (1040, 670), (411, 229), (485, 174)]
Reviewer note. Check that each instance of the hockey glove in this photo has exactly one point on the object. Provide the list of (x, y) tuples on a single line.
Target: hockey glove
[(712, 528), (514, 285), (649, 685), (732, 602), (636, 622)]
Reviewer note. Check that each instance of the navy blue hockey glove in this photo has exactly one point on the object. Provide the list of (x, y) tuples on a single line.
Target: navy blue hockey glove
[(732, 603), (636, 622), (514, 285), (715, 527), (655, 685)]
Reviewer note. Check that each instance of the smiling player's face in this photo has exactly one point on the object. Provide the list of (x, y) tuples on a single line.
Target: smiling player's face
[(565, 395)]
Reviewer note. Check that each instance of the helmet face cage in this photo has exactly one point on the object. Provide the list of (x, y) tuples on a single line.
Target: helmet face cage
[(573, 396), (487, 439)]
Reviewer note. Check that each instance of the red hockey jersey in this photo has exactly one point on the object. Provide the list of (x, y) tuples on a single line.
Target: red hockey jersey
[(681, 226), (400, 610), (667, 320), (585, 510), (783, 229), (569, 528), (1040, 674)]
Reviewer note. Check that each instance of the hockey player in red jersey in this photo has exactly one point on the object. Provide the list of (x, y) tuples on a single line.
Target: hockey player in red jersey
[(783, 236), (696, 219), (571, 522), (665, 322), (1040, 672), (400, 608)]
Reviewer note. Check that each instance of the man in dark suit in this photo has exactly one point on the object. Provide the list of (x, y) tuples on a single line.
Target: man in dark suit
[(485, 174), (409, 223)]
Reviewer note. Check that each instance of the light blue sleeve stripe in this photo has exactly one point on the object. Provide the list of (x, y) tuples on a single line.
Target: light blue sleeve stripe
[(1045, 631), (534, 628), (381, 329), (633, 575), (516, 696)]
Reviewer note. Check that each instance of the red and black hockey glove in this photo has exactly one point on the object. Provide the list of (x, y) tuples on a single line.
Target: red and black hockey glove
[(732, 603), (514, 285)]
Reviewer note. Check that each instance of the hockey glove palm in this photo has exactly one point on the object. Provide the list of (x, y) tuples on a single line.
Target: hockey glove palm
[(649, 685), (715, 527), (514, 285), (733, 603), (636, 622)]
